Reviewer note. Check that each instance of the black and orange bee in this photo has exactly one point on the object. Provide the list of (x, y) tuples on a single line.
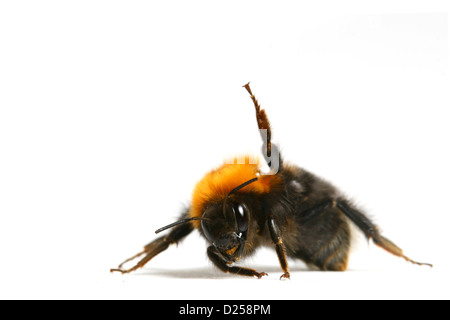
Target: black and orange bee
[(238, 208)]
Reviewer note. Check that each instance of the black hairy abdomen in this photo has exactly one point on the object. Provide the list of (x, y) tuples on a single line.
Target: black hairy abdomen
[(316, 231)]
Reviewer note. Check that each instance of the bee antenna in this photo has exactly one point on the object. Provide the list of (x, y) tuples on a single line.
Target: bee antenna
[(242, 186), (182, 221), (237, 189), (177, 223)]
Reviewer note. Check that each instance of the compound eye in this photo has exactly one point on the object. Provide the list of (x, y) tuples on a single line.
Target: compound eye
[(207, 232), (241, 214), (210, 225)]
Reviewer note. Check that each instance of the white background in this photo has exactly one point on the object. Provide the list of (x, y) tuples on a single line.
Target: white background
[(111, 111)]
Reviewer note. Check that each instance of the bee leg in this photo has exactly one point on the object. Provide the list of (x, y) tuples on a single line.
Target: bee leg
[(156, 247), (220, 262), (262, 120), (279, 247), (131, 259), (270, 151), (371, 231), (151, 250)]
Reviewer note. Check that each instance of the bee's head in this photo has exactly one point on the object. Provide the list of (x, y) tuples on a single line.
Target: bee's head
[(225, 226)]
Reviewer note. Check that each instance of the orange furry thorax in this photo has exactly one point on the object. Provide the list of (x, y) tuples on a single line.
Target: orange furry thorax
[(217, 184)]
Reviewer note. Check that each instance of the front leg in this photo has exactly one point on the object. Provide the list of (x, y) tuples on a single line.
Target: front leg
[(279, 247), (156, 247), (219, 261)]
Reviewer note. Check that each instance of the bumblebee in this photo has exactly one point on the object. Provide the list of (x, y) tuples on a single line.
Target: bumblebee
[(238, 208)]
